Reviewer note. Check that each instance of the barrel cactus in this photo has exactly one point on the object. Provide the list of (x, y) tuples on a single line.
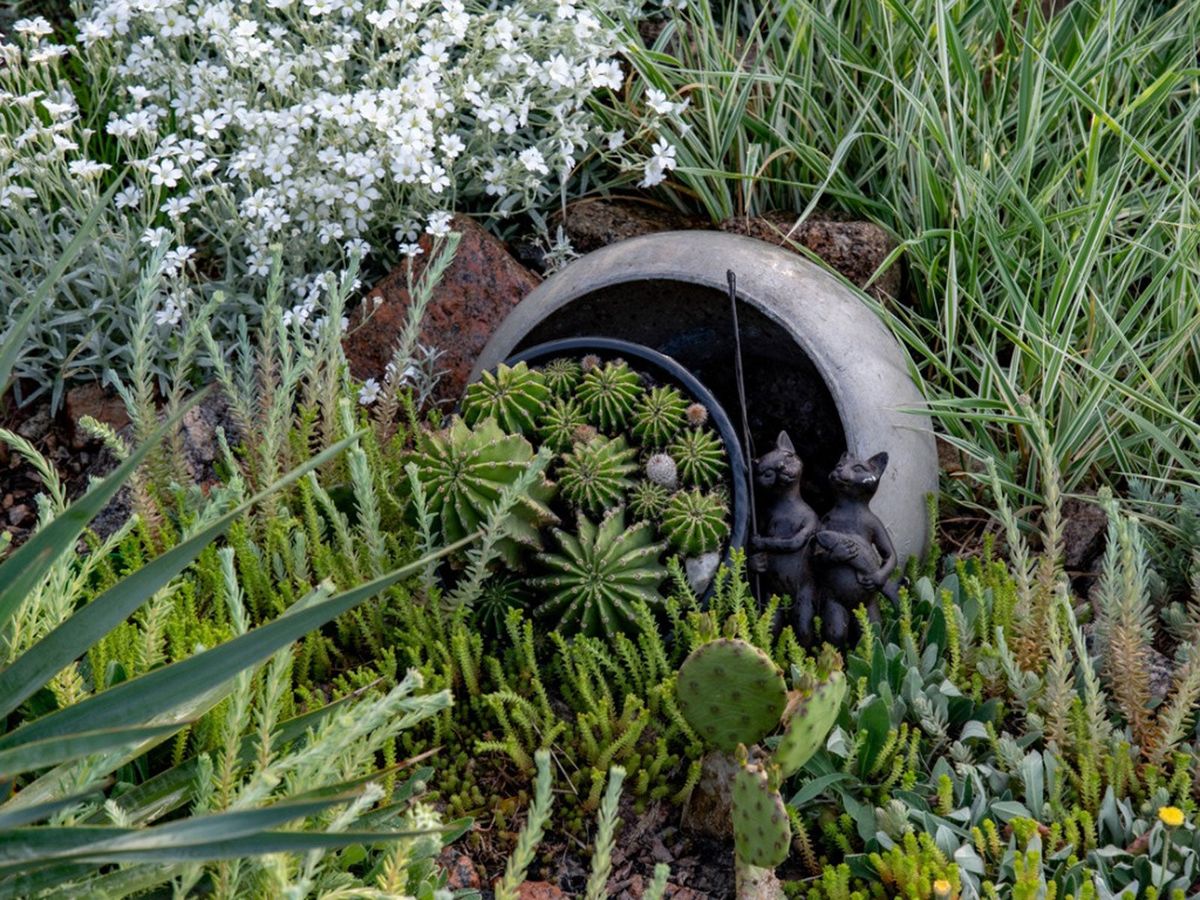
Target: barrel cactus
[(595, 475), (514, 396), (599, 573), (700, 456), (696, 522), (562, 376), (659, 416), (560, 423), (609, 392)]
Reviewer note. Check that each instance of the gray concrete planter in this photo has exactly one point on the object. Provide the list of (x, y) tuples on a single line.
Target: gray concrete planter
[(818, 362)]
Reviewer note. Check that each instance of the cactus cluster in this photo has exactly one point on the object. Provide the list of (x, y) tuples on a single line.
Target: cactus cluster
[(627, 450), (733, 696)]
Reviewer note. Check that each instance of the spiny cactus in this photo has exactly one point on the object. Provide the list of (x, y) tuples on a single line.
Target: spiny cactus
[(696, 415), (761, 829), (514, 397), (696, 522), (810, 713), (560, 423), (731, 693), (648, 501), (499, 595), (659, 416), (463, 470), (661, 469), (599, 573), (595, 475), (562, 375), (609, 393), (700, 456)]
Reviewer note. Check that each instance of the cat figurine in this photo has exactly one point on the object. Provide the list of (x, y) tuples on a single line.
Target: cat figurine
[(852, 552), (782, 553)]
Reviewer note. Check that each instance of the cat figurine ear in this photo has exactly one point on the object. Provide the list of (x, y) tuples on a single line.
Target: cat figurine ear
[(783, 442), (878, 462)]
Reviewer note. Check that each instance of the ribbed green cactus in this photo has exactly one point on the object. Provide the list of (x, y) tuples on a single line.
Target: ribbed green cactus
[(659, 416), (761, 829), (648, 500), (609, 393), (562, 375), (515, 397), (598, 573), (463, 470), (696, 522), (595, 474), (560, 423), (731, 693), (499, 595), (700, 456), (810, 714)]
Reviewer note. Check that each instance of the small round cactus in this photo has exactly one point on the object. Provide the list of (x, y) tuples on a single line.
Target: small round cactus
[(499, 595), (659, 416), (562, 375), (696, 415), (609, 393), (648, 501), (559, 423), (700, 456), (595, 475), (661, 470), (696, 522), (513, 396)]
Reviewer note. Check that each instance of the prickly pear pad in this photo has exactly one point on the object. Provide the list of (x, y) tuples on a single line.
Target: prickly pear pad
[(731, 693), (809, 718), (761, 830)]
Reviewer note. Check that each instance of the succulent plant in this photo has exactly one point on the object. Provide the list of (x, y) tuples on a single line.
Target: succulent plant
[(696, 415), (513, 396), (560, 423), (700, 456), (659, 416), (661, 469), (648, 500), (609, 393), (463, 470), (695, 521), (499, 594), (731, 693), (761, 829), (595, 474), (562, 375), (599, 572)]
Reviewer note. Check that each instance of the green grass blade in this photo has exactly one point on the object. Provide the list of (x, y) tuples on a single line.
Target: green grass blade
[(50, 752)]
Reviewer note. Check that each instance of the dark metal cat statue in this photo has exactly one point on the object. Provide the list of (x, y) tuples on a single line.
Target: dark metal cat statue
[(852, 552), (782, 553)]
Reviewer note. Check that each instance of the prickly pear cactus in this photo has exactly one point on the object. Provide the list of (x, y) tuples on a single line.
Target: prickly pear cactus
[(761, 830), (809, 715), (731, 693)]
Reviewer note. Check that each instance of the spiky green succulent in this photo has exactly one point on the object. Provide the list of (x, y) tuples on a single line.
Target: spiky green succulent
[(731, 693), (464, 469), (609, 393), (809, 716), (659, 416), (560, 423), (761, 828), (695, 521), (562, 375), (514, 396), (599, 573), (648, 500), (594, 475), (700, 456), (499, 595)]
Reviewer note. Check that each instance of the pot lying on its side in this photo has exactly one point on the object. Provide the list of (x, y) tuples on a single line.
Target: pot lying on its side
[(818, 362)]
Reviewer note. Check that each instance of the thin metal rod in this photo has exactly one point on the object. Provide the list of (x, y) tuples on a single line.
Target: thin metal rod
[(741, 389)]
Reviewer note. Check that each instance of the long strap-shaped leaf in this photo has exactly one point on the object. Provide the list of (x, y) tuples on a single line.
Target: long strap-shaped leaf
[(52, 751), (22, 571), (29, 814), (158, 693), (76, 635)]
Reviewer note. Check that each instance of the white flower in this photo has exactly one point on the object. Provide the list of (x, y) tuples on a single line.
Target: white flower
[(439, 224), (129, 197), (615, 139), (170, 314), (155, 236), (165, 173), (532, 159), (35, 27), (658, 102), (369, 392), (659, 164), (86, 168), (176, 207)]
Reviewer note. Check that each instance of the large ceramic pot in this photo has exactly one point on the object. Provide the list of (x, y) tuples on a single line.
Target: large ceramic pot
[(818, 362)]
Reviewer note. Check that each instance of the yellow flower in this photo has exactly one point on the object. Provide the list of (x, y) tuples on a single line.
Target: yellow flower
[(1171, 816), (941, 889)]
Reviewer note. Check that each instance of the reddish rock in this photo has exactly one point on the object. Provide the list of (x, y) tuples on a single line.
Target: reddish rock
[(595, 223), (93, 400), (854, 249), (480, 287), (461, 873), (539, 890)]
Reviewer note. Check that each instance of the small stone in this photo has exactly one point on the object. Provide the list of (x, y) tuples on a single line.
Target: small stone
[(539, 890), (462, 874), (701, 569), (18, 514), (94, 401)]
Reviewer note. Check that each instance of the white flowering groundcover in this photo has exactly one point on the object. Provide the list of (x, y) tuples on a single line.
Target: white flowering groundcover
[(332, 128)]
